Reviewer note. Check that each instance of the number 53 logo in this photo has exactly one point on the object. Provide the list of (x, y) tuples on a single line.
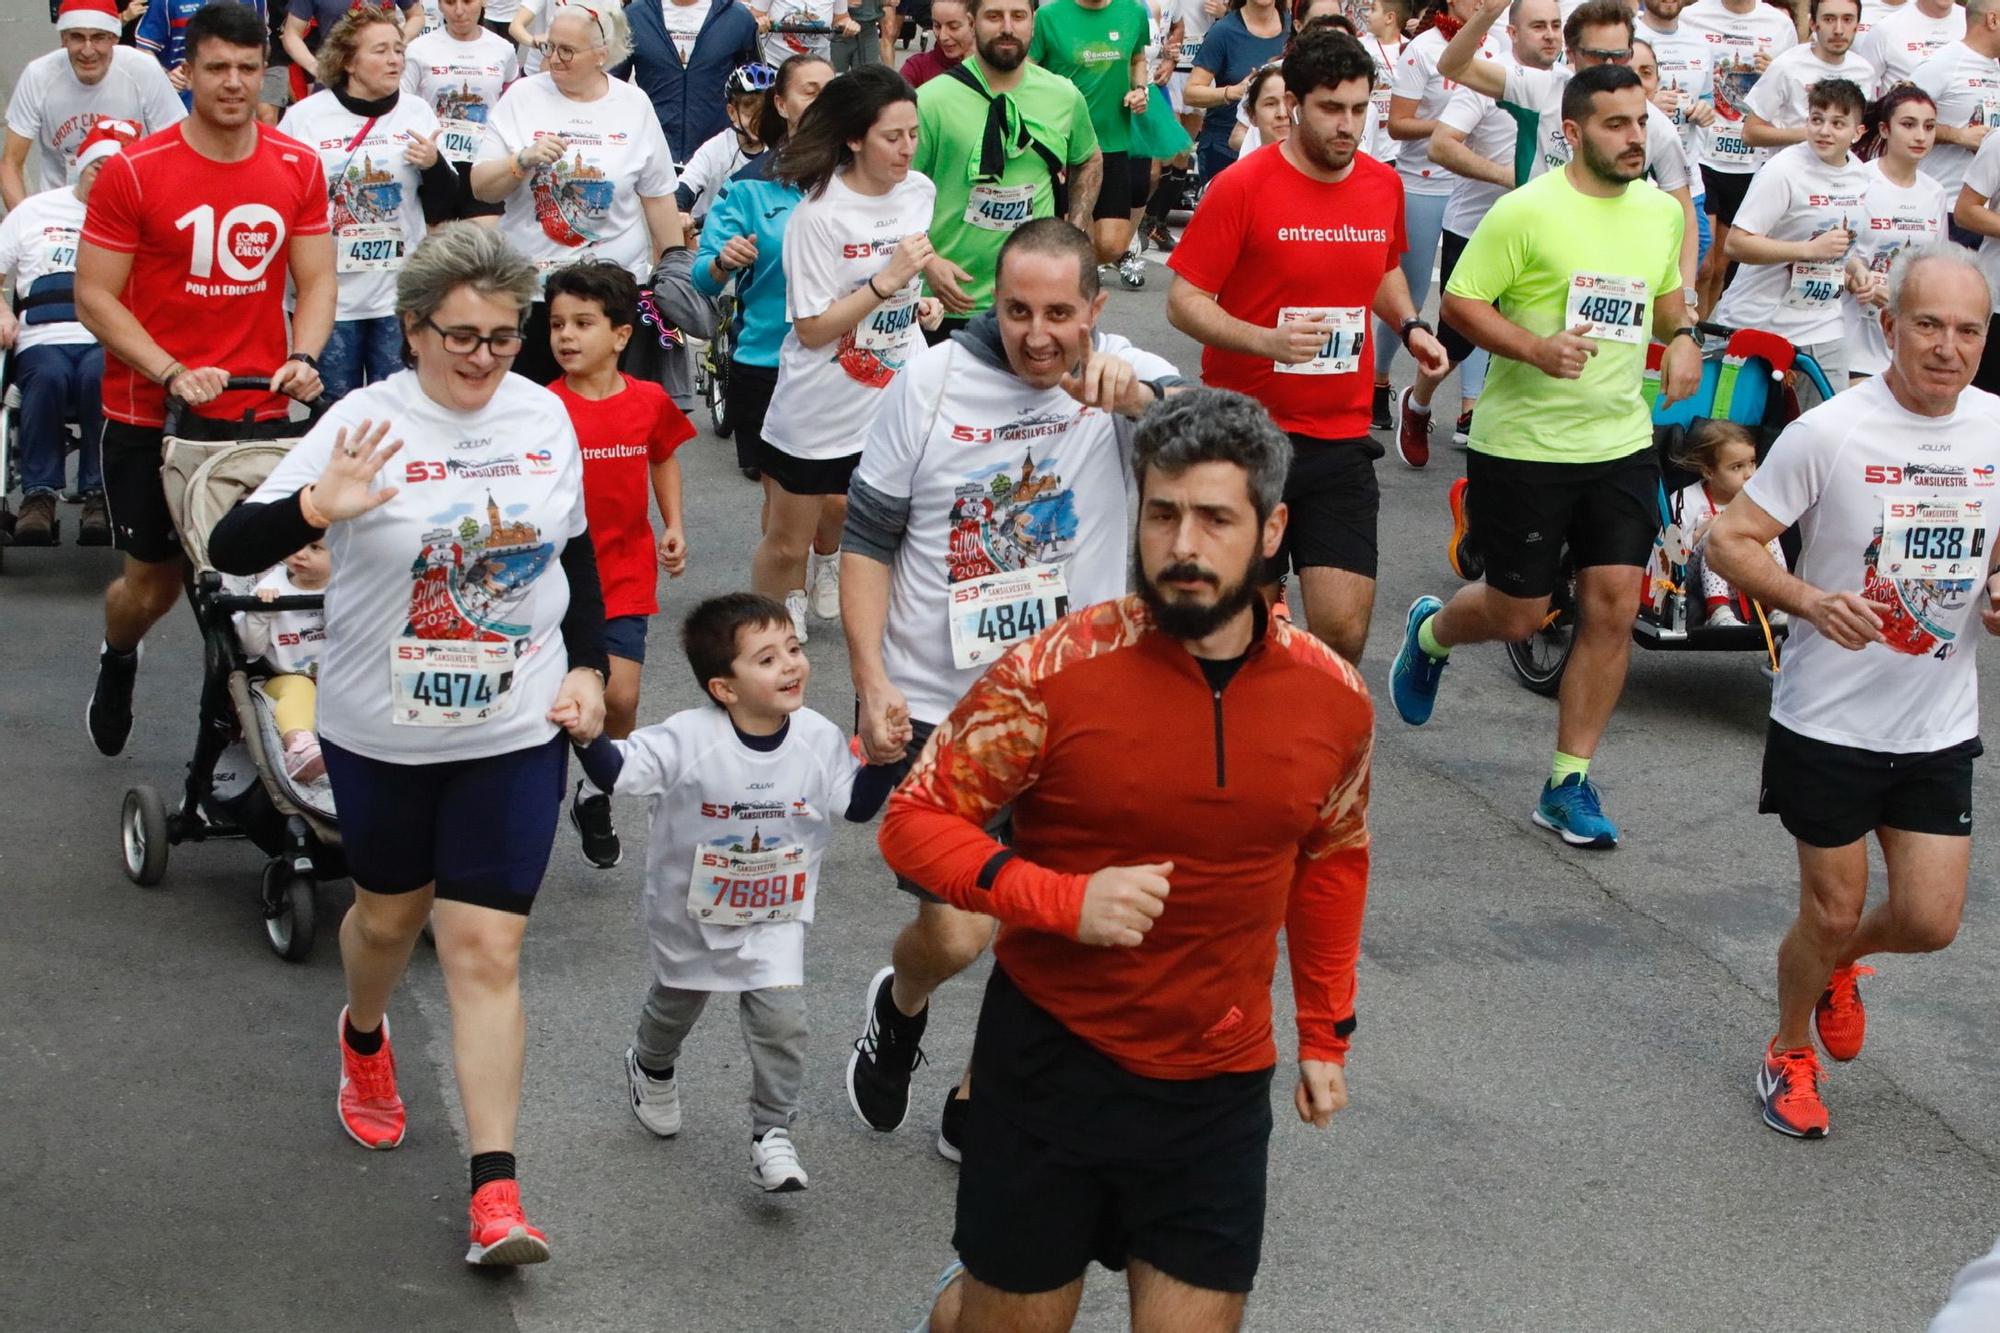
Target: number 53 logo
[(415, 472)]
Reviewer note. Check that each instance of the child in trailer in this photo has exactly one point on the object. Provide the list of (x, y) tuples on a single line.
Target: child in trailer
[(744, 794), (290, 642), (1724, 454)]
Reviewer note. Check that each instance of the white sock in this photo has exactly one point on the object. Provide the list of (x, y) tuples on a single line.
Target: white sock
[(586, 789)]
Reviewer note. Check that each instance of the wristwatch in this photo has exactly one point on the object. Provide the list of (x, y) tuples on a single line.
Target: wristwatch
[(1687, 331), (1413, 322), (306, 357)]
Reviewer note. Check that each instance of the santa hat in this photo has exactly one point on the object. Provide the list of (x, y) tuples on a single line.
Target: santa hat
[(88, 16), (106, 137)]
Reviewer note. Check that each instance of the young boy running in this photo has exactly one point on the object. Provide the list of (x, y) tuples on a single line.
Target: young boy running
[(744, 795), (628, 430)]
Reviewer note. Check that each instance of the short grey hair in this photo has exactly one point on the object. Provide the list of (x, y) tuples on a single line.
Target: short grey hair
[(1909, 259), (607, 20), (1215, 426), (462, 254)]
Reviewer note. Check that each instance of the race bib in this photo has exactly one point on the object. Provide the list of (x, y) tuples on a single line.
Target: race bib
[(999, 207), (376, 248), (59, 249), (460, 140), (1340, 354), (448, 682), (1614, 307), (1814, 284), (1190, 48), (1988, 111), (888, 327), (1928, 540), (991, 614), (734, 887)]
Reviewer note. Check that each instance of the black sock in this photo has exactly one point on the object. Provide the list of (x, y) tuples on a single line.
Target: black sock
[(488, 1167), (1165, 195), (907, 1027), (361, 1043), (657, 1075)]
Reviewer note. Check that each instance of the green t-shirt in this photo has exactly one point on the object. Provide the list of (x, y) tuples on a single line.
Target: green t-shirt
[(1549, 257), (1093, 49), (951, 129)]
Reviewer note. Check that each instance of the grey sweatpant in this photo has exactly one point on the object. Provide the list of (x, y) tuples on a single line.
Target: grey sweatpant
[(774, 1028)]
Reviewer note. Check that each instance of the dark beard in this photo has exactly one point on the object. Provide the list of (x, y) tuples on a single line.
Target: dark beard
[(1185, 621), (1012, 60), (1604, 168)]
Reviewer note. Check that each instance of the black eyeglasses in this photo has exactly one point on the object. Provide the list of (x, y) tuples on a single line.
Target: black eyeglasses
[(464, 342)]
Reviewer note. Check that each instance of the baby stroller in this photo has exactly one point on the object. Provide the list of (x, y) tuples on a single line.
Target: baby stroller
[(236, 783), (1756, 379)]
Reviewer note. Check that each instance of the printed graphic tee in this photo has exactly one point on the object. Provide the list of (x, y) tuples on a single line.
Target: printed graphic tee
[(461, 82), (622, 437)]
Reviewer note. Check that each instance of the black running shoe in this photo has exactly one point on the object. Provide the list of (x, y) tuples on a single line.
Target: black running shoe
[(885, 1055), (951, 1127), (109, 716), (592, 817), (1378, 412)]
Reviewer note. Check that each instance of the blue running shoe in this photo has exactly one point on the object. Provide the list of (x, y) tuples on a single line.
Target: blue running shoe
[(1573, 811), (1413, 676)]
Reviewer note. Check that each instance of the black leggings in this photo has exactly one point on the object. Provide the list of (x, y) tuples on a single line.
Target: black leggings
[(1988, 376)]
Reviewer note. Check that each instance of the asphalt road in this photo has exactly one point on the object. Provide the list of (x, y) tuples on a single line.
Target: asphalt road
[(1552, 1124)]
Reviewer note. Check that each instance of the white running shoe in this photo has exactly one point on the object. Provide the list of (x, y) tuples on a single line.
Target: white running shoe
[(774, 1163), (795, 602), (656, 1101), (1725, 617), (824, 579)]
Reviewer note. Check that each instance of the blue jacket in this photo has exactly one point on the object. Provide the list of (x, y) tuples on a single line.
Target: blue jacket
[(752, 204), (161, 28), (688, 99)]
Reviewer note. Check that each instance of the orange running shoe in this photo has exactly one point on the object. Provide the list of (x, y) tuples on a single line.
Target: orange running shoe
[(1465, 562), (1839, 1019), (1788, 1088), (370, 1110), (500, 1230)]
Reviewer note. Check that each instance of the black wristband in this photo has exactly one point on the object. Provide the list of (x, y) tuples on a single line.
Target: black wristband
[(306, 357), (1688, 329), (873, 290), (1413, 322)]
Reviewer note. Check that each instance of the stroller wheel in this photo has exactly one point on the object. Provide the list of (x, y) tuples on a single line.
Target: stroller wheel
[(288, 912), (142, 826)]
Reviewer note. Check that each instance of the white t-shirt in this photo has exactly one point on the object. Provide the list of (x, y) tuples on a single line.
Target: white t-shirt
[(1688, 64), (1984, 177), (1780, 96), (1375, 140), (502, 11), (1795, 197), (433, 19), (1897, 217), (1843, 471), (683, 24), (814, 16), (1874, 11), (710, 168), (1735, 41), (587, 204), (1489, 131), (54, 109), (715, 797), (1195, 22), (1540, 92), (532, 57), (1417, 77), (826, 397), (291, 641), (1905, 38), (371, 193), (1000, 478), (37, 240), (447, 601), (461, 82), (1966, 87)]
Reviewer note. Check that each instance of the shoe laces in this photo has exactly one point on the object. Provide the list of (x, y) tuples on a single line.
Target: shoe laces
[(1801, 1071), (497, 1201), (373, 1076), (1582, 798), (886, 1050), (1843, 998)]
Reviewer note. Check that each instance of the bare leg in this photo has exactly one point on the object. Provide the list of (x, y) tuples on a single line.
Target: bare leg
[(984, 1309), (941, 943), (1927, 873), (832, 522), (479, 950), (1607, 602), (1478, 613), (143, 592), (1714, 266), (1338, 604), (621, 698), (1163, 1304), (1111, 236), (1833, 884), (375, 940), (778, 565)]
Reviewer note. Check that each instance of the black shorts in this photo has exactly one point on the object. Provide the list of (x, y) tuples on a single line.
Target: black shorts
[(805, 476), (748, 397), (1070, 1158), (1114, 196), (1831, 795), (1724, 192), (1333, 501), (625, 636), (1523, 515), (480, 829), (1139, 172), (141, 527), (1456, 345)]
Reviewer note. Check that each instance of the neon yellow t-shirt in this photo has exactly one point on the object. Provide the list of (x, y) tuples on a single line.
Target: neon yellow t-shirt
[(1548, 257)]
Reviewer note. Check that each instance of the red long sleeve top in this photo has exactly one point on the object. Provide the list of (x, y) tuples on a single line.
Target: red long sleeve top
[(1111, 746)]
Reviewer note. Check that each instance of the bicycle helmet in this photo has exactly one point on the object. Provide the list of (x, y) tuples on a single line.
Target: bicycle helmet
[(753, 78)]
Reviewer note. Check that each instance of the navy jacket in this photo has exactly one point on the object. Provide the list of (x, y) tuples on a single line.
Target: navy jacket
[(689, 99)]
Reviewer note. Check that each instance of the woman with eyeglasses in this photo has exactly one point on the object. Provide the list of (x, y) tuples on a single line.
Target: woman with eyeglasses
[(581, 162), (464, 629)]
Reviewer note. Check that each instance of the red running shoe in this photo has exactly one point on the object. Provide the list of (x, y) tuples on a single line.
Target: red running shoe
[(370, 1110), (500, 1230), (1413, 433), (1839, 1019), (1788, 1089)]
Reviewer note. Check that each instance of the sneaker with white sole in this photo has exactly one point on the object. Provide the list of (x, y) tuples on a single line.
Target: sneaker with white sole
[(656, 1101), (1725, 617), (501, 1236), (796, 605), (774, 1163), (1132, 272), (824, 581)]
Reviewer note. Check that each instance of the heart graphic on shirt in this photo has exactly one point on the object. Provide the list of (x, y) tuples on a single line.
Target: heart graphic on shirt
[(252, 246)]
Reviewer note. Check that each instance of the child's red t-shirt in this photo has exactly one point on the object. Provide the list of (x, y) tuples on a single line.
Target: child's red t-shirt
[(621, 438)]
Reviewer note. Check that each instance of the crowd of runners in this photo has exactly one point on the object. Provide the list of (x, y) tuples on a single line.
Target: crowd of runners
[(1103, 614)]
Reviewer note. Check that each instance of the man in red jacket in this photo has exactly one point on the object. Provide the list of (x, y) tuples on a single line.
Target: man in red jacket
[(1187, 775)]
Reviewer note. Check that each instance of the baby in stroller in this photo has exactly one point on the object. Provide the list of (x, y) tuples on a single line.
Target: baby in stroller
[(289, 642), (1724, 455)]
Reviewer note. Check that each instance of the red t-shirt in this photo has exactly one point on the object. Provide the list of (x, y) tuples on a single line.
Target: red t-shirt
[(622, 437), (208, 242), (1267, 238)]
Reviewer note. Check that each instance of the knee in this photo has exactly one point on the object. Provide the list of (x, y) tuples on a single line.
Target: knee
[(1926, 930), (955, 940), (621, 706), (1828, 920), (1516, 619), (156, 586), (390, 922), (489, 959)]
